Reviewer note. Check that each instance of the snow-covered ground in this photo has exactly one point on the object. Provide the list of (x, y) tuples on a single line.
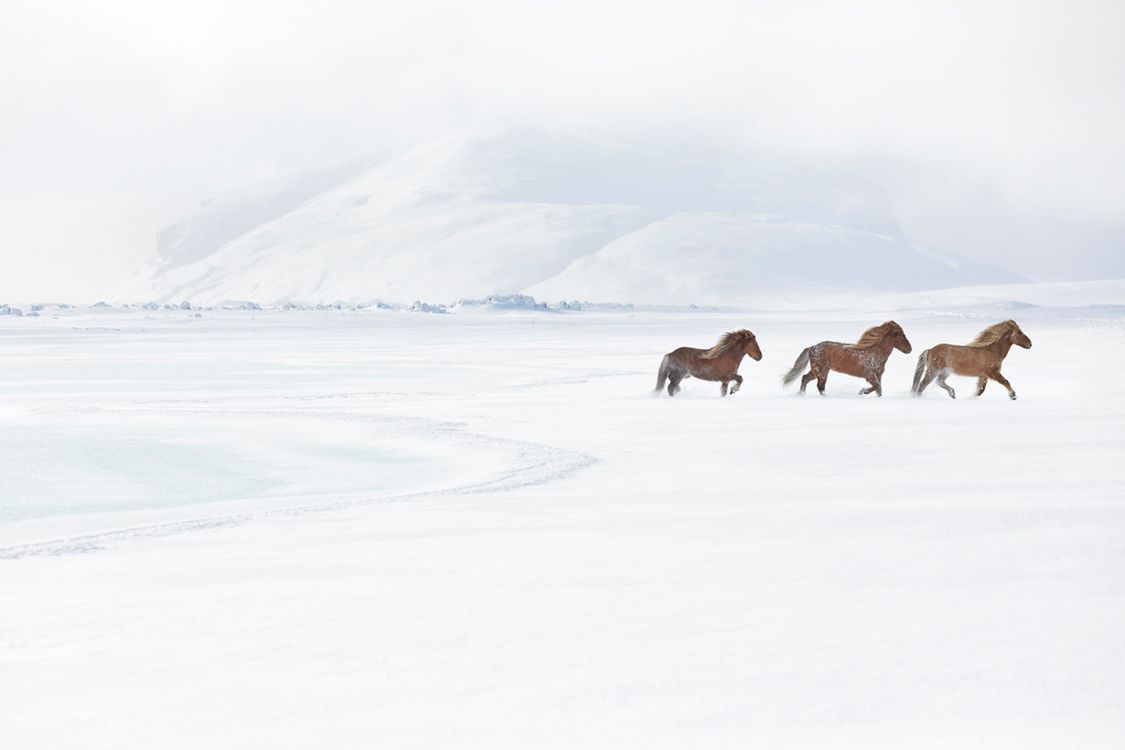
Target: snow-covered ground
[(387, 529)]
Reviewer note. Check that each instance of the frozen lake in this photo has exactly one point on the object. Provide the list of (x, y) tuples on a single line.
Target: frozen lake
[(480, 530), (119, 468)]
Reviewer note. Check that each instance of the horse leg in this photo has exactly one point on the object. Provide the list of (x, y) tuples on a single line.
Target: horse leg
[(982, 381), (674, 379), (875, 387), (808, 376), (821, 381), (995, 375), (926, 381), (737, 384), (723, 390), (948, 388)]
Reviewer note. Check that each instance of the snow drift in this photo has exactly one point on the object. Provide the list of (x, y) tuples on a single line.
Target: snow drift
[(554, 215)]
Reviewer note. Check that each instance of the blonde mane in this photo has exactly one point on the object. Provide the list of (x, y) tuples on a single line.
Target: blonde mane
[(993, 333), (873, 336), (726, 342)]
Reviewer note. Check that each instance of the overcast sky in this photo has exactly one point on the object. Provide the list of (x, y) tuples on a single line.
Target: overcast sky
[(996, 127)]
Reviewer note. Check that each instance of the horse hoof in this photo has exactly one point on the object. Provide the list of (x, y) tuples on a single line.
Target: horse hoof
[(1013, 395), (953, 395)]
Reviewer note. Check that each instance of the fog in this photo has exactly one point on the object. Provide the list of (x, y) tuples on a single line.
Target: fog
[(994, 127)]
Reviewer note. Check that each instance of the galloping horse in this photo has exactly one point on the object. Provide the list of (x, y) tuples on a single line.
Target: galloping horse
[(720, 362), (980, 359), (864, 359)]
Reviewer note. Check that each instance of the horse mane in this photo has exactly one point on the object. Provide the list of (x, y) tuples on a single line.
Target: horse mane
[(727, 341), (875, 334), (993, 333)]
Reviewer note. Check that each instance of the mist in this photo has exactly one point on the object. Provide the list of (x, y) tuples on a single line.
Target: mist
[(994, 127)]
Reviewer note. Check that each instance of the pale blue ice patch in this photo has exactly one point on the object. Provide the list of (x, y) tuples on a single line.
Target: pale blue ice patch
[(61, 470)]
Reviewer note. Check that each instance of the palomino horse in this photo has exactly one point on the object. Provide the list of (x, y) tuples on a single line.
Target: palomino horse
[(864, 359), (980, 359), (720, 362)]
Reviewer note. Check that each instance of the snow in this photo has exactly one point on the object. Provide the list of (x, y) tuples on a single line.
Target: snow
[(295, 528), (543, 213), (717, 258), (236, 211)]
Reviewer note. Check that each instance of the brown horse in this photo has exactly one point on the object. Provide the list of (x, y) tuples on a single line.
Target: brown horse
[(864, 359), (980, 359), (719, 363)]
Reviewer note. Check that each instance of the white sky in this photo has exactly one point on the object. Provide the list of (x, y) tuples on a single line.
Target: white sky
[(997, 127)]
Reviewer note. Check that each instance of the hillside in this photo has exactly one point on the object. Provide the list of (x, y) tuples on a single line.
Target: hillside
[(554, 215)]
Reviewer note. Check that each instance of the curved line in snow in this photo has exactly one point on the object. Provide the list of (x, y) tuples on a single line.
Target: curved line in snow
[(537, 464)]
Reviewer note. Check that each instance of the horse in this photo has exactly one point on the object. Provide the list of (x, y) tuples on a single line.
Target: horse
[(719, 363), (864, 359), (980, 359)]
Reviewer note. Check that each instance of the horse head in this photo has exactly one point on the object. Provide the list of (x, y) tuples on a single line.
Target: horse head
[(1019, 338), (899, 337), (750, 346)]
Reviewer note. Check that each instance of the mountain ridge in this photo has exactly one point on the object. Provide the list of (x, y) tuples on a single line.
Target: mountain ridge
[(550, 214)]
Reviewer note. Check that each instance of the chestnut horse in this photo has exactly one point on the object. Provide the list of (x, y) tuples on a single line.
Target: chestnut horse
[(864, 359), (719, 363), (980, 359)]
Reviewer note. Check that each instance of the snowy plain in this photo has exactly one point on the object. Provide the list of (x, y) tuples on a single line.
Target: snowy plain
[(387, 529)]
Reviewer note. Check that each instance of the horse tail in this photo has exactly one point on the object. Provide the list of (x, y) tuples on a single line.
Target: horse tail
[(919, 369), (798, 367), (661, 375)]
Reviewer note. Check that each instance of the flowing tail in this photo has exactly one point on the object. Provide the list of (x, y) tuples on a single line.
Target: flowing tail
[(798, 367), (661, 376), (919, 369)]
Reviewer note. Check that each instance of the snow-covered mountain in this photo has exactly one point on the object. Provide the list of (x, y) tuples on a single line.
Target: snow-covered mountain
[(554, 215)]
